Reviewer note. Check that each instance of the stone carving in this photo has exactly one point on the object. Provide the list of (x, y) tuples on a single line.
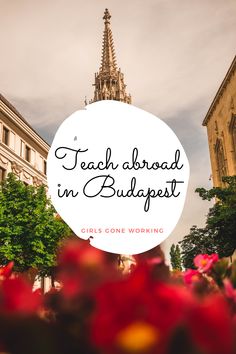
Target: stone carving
[(26, 175), (109, 81), (37, 181), (3, 160), (16, 168)]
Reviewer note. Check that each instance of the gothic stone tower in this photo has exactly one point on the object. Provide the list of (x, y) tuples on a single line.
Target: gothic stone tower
[(109, 81), (220, 121)]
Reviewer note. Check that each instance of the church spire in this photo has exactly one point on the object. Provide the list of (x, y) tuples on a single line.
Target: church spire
[(109, 81), (108, 63)]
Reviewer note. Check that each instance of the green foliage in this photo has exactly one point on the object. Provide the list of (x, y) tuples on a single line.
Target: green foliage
[(219, 234), (175, 257), (196, 242), (29, 231), (222, 270)]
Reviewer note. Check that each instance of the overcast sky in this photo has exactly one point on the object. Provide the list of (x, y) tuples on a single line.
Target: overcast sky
[(174, 54)]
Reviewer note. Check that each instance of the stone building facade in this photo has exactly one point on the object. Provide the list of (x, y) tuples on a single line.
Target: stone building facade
[(22, 150), (220, 121)]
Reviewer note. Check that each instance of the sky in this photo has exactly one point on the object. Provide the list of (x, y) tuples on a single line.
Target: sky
[(174, 54)]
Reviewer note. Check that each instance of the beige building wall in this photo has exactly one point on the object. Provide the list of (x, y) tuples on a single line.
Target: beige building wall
[(22, 150), (221, 128)]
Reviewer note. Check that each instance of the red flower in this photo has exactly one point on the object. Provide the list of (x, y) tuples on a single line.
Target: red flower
[(204, 262), (137, 314), (81, 254), (191, 276), (82, 267), (155, 261), (211, 326), (6, 271), (17, 296)]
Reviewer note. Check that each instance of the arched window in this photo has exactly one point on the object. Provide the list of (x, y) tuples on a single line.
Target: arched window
[(232, 131), (221, 162)]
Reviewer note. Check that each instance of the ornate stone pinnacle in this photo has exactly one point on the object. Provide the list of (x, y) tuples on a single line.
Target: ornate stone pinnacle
[(109, 81), (106, 16)]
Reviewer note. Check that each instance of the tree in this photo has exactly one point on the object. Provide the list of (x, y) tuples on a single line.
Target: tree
[(196, 242), (175, 257), (30, 232), (219, 234)]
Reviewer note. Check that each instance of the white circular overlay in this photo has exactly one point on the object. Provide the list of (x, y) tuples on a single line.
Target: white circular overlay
[(118, 176)]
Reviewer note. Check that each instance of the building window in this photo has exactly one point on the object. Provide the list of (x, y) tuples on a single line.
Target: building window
[(22, 145), (3, 174), (5, 136), (234, 137), (27, 153), (232, 131), (44, 167), (221, 162)]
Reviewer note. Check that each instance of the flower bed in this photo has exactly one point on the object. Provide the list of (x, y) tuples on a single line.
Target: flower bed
[(100, 310)]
